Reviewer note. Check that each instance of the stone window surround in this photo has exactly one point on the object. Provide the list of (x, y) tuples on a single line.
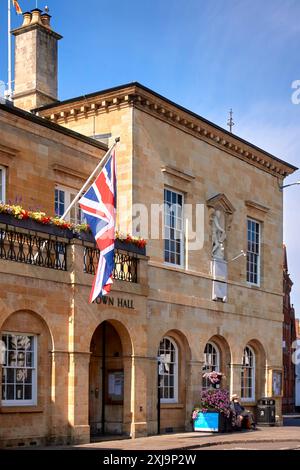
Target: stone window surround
[(23, 405)]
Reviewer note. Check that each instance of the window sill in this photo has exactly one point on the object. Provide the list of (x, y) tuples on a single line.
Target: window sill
[(254, 286), (171, 406), (179, 267), (21, 409)]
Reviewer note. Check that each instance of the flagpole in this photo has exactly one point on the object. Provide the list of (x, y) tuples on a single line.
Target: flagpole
[(100, 164), (9, 95)]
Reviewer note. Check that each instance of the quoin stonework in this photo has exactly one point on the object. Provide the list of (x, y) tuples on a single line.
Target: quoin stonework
[(72, 370)]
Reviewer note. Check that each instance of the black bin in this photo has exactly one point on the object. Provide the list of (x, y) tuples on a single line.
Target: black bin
[(266, 412)]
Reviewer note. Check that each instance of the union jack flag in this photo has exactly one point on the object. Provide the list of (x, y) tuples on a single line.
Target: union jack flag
[(17, 7), (99, 207)]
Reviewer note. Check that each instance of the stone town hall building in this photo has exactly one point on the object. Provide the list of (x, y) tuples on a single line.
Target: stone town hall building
[(71, 369)]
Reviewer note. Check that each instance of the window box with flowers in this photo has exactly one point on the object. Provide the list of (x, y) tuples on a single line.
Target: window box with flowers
[(38, 221), (213, 413)]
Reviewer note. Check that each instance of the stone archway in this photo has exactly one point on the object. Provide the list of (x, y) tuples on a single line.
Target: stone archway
[(110, 380), (26, 375)]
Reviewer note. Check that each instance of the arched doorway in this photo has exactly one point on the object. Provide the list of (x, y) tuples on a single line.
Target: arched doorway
[(109, 379)]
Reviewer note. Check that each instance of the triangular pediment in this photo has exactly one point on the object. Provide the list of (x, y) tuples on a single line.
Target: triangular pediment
[(221, 201)]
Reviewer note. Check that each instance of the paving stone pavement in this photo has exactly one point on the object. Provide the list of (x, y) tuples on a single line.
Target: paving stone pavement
[(197, 440)]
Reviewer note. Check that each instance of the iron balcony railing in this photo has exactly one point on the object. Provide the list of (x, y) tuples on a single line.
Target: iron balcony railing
[(28, 242), (126, 264), (30, 248)]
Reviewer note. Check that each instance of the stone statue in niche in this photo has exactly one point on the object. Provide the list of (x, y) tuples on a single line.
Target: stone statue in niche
[(218, 234)]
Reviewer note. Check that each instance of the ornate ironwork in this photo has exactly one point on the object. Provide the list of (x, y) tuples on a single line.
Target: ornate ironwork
[(126, 264), (32, 249)]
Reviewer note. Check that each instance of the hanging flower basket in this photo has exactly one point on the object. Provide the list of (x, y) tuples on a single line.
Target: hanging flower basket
[(214, 378)]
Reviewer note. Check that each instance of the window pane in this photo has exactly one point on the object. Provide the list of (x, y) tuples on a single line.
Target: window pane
[(248, 374), (28, 392), (168, 369), (10, 392), (253, 251), (12, 359), (29, 359), (10, 375), (173, 230)]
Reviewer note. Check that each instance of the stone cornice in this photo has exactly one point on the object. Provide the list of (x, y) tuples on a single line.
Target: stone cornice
[(8, 151), (36, 26), (161, 108), (69, 172), (169, 170), (257, 206), (20, 118)]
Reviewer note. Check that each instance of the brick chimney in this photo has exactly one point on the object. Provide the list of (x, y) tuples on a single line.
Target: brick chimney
[(35, 61)]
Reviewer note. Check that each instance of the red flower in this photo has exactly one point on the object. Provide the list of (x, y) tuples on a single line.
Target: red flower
[(25, 214), (65, 225)]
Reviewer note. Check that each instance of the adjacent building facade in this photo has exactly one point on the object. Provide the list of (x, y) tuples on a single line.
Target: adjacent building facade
[(289, 338), (193, 304), (297, 367)]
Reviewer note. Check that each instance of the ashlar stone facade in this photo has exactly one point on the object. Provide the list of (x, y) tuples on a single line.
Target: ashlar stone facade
[(171, 315)]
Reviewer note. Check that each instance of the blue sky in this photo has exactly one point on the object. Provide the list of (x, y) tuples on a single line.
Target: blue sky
[(207, 55)]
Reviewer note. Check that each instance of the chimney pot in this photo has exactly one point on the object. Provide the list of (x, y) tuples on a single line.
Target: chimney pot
[(36, 16), (46, 20), (26, 18)]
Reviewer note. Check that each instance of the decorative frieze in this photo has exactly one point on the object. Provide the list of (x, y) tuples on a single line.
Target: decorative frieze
[(171, 113)]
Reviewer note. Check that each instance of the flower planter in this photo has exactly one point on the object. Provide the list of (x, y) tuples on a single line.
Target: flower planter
[(119, 244), (32, 225), (211, 421), (132, 247)]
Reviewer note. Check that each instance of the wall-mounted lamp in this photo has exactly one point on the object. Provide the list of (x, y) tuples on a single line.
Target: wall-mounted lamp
[(281, 187), (242, 253)]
